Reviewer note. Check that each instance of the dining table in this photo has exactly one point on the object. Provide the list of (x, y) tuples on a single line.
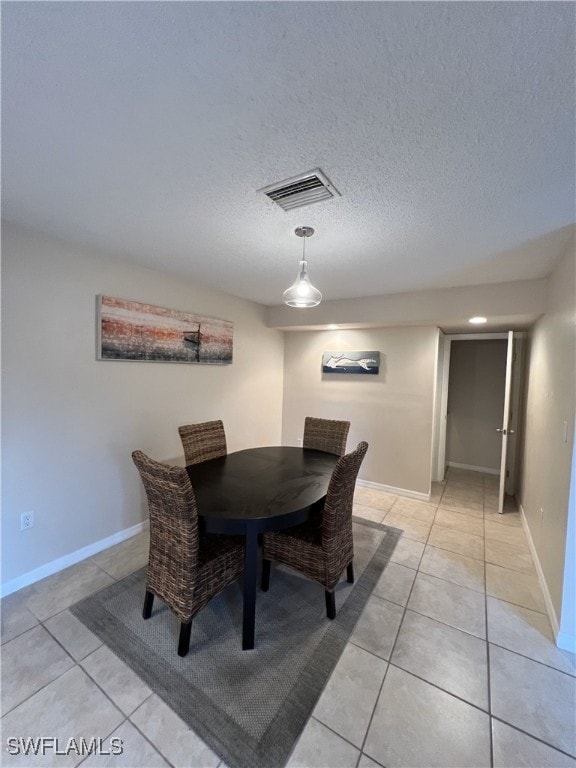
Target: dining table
[(255, 490)]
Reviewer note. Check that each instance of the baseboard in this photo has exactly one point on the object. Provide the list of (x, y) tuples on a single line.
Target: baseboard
[(473, 468), (544, 586), (395, 491), (71, 559)]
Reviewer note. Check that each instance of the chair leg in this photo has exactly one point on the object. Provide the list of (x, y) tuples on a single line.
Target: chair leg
[(265, 583), (330, 604), (350, 573), (148, 602), (184, 639)]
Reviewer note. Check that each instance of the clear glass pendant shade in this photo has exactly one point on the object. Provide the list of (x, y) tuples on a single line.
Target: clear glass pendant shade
[(302, 293)]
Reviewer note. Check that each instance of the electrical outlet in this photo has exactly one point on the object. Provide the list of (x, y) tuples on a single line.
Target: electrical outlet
[(26, 520), (299, 441)]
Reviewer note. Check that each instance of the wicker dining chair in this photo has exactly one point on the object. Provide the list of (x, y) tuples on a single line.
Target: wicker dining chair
[(326, 435), (322, 547), (186, 569), (203, 441)]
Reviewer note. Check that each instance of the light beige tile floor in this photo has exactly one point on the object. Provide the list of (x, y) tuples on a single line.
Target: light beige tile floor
[(451, 664)]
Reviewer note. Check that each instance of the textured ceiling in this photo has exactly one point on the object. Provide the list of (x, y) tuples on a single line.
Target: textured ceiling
[(145, 129)]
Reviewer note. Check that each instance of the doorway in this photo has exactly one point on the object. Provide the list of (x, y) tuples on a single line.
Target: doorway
[(479, 382), (477, 378)]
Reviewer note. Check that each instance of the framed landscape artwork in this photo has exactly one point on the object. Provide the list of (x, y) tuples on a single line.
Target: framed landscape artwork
[(351, 362), (129, 330)]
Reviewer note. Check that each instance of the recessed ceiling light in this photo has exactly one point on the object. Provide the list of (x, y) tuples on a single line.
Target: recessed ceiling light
[(478, 320), (333, 327)]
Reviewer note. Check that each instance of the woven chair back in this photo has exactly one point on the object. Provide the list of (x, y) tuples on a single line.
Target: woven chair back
[(203, 441), (337, 513), (327, 435), (173, 533)]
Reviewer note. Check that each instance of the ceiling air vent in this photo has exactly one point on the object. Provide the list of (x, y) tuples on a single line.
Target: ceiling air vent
[(308, 188)]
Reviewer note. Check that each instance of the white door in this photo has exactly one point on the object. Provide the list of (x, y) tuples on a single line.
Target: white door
[(441, 409), (506, 430)]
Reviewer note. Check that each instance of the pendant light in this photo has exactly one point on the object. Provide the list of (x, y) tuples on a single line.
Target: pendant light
[(302, 293)]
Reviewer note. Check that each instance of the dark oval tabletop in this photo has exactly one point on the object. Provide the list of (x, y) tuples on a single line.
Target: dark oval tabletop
[(261, 483)]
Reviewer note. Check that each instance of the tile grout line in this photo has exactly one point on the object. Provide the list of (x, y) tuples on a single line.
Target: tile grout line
[(489, 711), (325, 725), (405, 608), (77, 663), (529, 658), (387, 668), (536, 738), (377, 698), (38, 623), (390, 663), (449, 581), (127, 718), (41, 622), (535, 661), (56, 640), (83, 761), (404, 614), (432, 618), (371, 718), (445, 549), (42, 687), (443, 690), (329, 727), (74, 664), (154, 747)]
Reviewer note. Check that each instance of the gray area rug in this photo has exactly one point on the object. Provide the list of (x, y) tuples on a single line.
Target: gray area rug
[(248, 706)]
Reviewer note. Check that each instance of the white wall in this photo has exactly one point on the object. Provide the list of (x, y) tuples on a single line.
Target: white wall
[(546, 460), (392, 411), (476, 402), (70, 422), (566, 637), (508, 305)]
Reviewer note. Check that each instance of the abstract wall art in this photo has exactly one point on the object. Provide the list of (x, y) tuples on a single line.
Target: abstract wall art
[(351, 362), (129, 330)]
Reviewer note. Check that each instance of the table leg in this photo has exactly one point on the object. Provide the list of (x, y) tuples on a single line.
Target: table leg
[(250, 584)]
